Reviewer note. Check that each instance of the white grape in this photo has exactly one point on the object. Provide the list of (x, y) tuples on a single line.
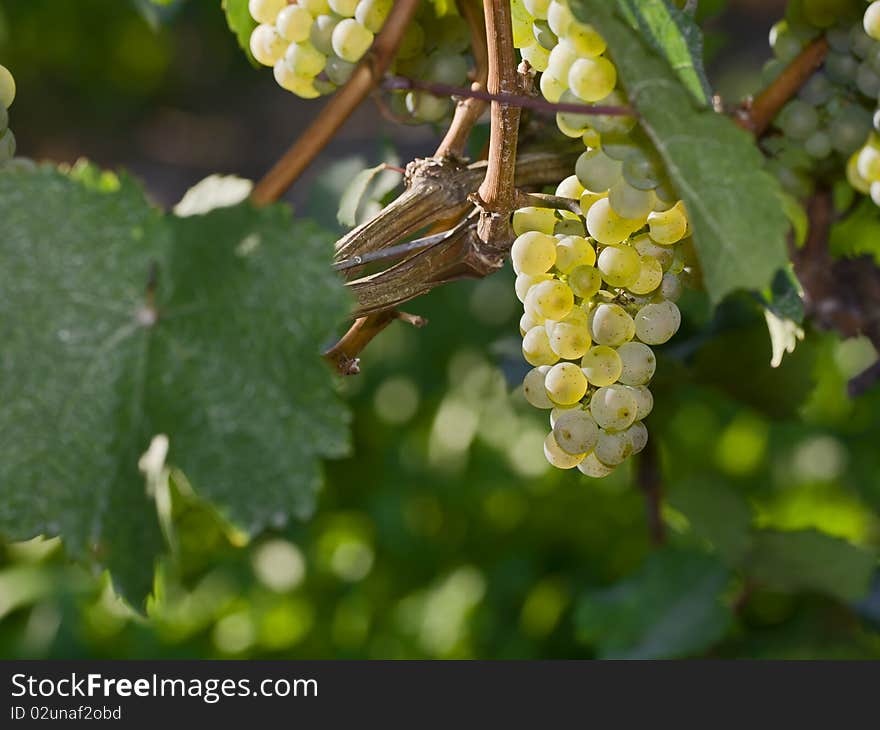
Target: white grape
[(372, 13), (533, 388), (533, 253), (871, 21), (351, 40), (610, 324), (540, 220), (669, 226), (265, 11), (613, 407), (559, 458), (536, 348), (650, 276), (592, 467), (574, 251), (630, 202), (612, 447), (7, 87), (638, 363), (565, 383), (552, 299), (644, 400), (267, 46), (619, 265), (345, 8), (570, 187), (602, 365), (524, 282), (657, 323), (305, 59), (606, 226), (575, 431), (302, 86), (638, 436), (294, 23)]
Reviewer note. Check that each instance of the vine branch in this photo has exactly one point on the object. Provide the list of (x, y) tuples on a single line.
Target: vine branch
[(649, 481), (318, 134), (344, 354)]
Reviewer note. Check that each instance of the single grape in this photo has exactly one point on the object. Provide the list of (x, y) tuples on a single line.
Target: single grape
[(541, 220), (551, 88), (265, 11), (841, 68), (602, 365), (575, 431), (613, 124), (569, 340), (316, 7), (537, 56), (561, 57), (638, 436), (524, 282), (267, 46), (871, 21), (588, 197), (671, 287), (868, 163), (452, 33), (574, 251), (545, 37), (785, 44), (867, 80), (596, 170), (559, 18), (818, 90), (669, 226), (294, 23), (302, 86), (321, 33), (350, 40), (861, 44), (536, 348), (611, 325), (839, 38), (818, 145), (612, 448), (345, 8), (849, 127), (644, 400), (338, 71), (305, 59), (592, 467), (606, 226), (372, 13), (7, 87), (613, 407), (798, 119), (526, 322), (640, 171), (585, 281), (646, 247), (874, 192), (592, 78), (552, 299), (558, 410), (447, 68), (650, 276), (576, 124), (569, 226), (856, 181), (412, 43), (570, 187), (559, 458), (565, 383), (537, 8), (533, 388), (533, 253), (585, 41), (619, 265), (630, 202), (657, 323), (637, 363)]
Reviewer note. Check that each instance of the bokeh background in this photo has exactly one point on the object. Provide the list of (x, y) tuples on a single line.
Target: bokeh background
[(446, 535)]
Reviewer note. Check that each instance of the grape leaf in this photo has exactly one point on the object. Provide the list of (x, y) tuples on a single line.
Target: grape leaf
[(240, 22), (810, 560), (676, 37), (354, 195), (225, 362), (858, 233), (733, 203), (670, 608)]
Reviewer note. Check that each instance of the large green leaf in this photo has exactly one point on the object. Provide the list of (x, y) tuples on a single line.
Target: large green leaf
[(810, 560), (670, 608), (735, 207), (225, 362)]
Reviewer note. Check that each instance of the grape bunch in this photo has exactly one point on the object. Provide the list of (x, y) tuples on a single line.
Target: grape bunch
[(313, 47), (598, 287), (7, 96)]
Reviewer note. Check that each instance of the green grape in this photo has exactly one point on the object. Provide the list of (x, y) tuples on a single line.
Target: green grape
[(785, 44), (818, 145), (569, 227), (559, 458), (565, 383), (613, 407), (537, 8), (839, 38), (824, 13), (592, 79), (619, 265), (552, 299), (630, 202), (316, 7), (596, 170), (841, 68), (551, 88), (574, 251), (533, 253), (305, 59), (531, 220), (338, 71), (524, 282), (570, 338), (321, 33), (447, 68), (7, 87), (571, 119), (561, 57), (585, 281), (650, 276), (818, 90), (612, 448), (575, 431), (849, 127), (669, 226), (867, 80), (671, 287), (345, 8), (611, 325), (638, 436), (644, 400), (798, 119), (613, 124), (265, 11), (351, 40), (536, 55), (601, 365), (267, 46), (372, 13), (559, 18), (585, 40), (294, 23), (861, 44), (588, 197), (570, 187), (871, 21), (657, 323), (545, 37), (522, 31), (637, 363), (606, 226), (646, 247), (558, 410), (592, 467), (4, 119), (426, 107), (640, 171), (452, 33), (536, 347), (7, 145), (412, 42), (533, 388), (302, 86)]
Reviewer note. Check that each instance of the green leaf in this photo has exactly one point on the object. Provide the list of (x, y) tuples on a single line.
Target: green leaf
[(797, 217), (810, 560), (226, 363), (240, 22), (670, 608), (733, 203), (716, 513), (858, 234), (676, 37), (354, 194)]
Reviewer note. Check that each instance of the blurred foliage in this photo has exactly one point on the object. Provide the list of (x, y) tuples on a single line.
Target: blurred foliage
[(446, 534)]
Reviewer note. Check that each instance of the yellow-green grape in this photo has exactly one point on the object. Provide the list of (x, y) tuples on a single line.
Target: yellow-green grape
[(569, 339), (585, 281), (574, 251), (569, 224), (646, 247), (294, 23), (316, 7), (575, 431), (265, 11), (565, 383), (619, 265), (567, 129), (7, 87), (612, 447), (305, 59), (570, 187), (657, 323), (602, 365), (533, 388), (644, 400), (412, 43), (854, 178), (586, 41), (351, 40), (536, 348), (630, 202), (868, 163), (668, 226), (613, 407), (427, 107), (536, 55), (650, 276), (537, 8), (559, 18), (267, 46), (592, 467), (524, 282), (552, 299), (533, 253), (637, 363), (592, 79), (561, 58), (345, 8), (559, 458), (591, 139), (542, 220), (559, 410), (551, 87), (302, 86), (871, 21), (530, 308), (611, 325), (588, 197), (671, 286), (372, 13), (638, 436), (606, 226), (526, 322)]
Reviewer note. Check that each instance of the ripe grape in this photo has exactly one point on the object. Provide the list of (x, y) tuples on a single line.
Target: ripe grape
[(613, 407), (350, 40), (630, 202), (638, 436), (569, 340), (637, 363), (657, 323), (592, 467), (302, 86), (267, 45), (372, 13), (602, 365), (536, 347), (565, 383), (533, 253), (294, 23), (585, 281), (559, 458), (542, 220), (7, 87), (619, 265), (574, 251), (612, 447), (872, 21), (533, 387), (606, 226), (669, 226), (552, 299), (575, 431), (644, 400), (592, 79), (611, 325), (524, 282), (597, 171), (265, 11), (650, 276)]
